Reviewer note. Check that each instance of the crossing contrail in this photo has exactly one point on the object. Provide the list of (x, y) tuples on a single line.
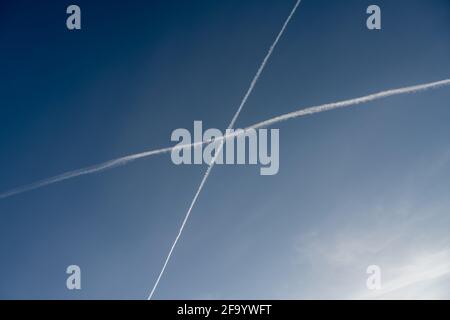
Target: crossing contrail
[(231, 125), (267, 123)]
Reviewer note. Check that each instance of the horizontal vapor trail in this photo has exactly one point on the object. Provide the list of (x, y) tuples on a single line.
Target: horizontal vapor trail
[(299, 113), (83, 171), (351, 102)]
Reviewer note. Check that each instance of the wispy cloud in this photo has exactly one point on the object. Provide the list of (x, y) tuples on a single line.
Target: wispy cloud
[(414, 264), (410, 278)]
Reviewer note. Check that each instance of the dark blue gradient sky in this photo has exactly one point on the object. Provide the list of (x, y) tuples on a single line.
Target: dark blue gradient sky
[(356, 187)]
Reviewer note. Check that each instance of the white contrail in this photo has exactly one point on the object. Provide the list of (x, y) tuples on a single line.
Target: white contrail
[(351, 102), (231, 125), (83, 171), (299, 113)]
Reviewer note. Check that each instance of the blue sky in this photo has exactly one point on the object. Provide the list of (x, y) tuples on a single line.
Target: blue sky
[(356, 187)]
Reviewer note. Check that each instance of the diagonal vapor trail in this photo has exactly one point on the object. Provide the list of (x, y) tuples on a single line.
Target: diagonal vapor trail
[(231, 125), (284, 117)]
